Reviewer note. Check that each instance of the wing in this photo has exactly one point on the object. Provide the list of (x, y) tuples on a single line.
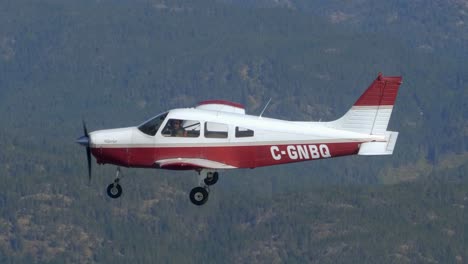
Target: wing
[(190, 164)]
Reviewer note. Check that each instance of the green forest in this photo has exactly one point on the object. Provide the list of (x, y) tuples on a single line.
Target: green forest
[(118, 63)]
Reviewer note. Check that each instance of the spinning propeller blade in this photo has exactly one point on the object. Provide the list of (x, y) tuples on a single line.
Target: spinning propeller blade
[(85, 141), (88, 155), (85, 130)]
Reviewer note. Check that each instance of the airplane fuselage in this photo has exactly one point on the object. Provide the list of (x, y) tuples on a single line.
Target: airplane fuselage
[(271, 142)]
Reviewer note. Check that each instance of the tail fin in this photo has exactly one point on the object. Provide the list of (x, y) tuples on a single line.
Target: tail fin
[(371, 112)]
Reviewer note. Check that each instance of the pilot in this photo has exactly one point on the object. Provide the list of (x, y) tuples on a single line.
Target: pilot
[(177, 129)]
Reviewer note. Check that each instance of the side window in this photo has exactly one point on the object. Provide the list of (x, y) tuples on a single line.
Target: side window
[(216, 130), (244, 132), (181, 128)]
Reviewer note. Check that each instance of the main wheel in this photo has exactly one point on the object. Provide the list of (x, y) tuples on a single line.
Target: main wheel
[(211, 179), (198, 196), (114, 190)]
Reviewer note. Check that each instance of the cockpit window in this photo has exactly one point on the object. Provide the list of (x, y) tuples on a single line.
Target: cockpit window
[(181, 128), (151, 126)]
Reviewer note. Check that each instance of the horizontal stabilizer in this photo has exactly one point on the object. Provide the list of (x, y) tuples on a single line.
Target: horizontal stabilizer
[(380, 148)]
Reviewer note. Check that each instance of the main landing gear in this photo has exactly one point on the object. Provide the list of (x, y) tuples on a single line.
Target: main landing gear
[(206, 178), (198, 195), (114, 190)]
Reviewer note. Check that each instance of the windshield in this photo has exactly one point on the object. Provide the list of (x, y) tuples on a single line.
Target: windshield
[(151, 126)]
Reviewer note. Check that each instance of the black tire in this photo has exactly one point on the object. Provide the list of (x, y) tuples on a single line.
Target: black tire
[(211, 180), (198, 196), (114, 191)]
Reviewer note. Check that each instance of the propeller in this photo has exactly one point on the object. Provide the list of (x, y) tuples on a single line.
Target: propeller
[(85, 141)]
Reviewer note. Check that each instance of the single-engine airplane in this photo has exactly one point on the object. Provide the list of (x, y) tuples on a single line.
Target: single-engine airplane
[(218, 135)]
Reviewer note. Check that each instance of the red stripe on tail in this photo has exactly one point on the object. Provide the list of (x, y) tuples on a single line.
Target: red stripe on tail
[(383, 91)]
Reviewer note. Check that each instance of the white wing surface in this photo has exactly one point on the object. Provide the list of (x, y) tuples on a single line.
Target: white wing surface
[(189, 163)]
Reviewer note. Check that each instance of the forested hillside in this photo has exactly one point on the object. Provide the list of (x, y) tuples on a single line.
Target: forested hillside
[(117, 63)]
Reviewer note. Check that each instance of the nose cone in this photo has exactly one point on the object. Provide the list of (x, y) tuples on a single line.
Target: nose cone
[(111, 137), (84, 141)]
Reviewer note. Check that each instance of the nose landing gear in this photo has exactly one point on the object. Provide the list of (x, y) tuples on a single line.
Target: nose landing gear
[(114, 190)]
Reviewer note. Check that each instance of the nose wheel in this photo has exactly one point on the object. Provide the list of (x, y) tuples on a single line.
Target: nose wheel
[(114, 190)]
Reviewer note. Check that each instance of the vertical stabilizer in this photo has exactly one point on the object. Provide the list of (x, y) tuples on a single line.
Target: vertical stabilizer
[(371, 112)]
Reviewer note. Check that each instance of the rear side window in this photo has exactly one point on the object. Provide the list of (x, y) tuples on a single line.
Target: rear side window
[(244, 132), (216, 130)]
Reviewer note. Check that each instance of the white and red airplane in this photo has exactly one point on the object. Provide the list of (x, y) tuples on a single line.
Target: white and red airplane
[(218, 135)]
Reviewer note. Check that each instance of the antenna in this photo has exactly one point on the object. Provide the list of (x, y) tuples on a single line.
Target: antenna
[(264, 108)]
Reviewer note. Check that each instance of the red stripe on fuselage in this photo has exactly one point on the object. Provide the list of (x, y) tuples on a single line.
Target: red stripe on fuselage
[(237, 156)]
